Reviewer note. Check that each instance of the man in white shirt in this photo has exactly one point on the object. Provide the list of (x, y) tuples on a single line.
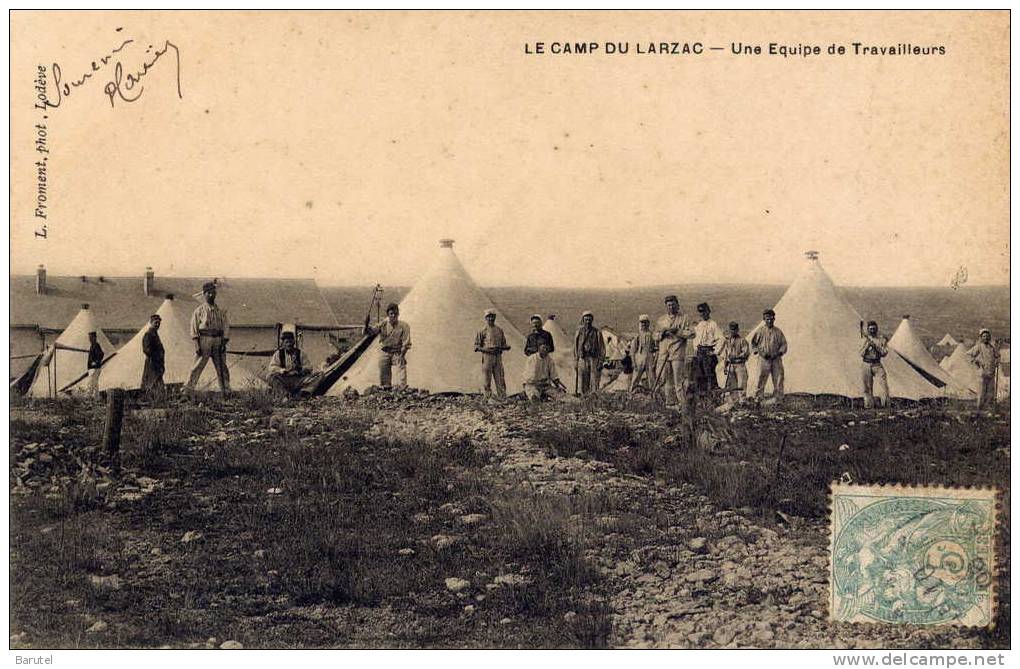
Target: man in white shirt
[(708, 343), (541, 382), (210, 330)]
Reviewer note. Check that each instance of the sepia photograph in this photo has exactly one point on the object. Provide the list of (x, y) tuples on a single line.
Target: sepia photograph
[(510, 330)]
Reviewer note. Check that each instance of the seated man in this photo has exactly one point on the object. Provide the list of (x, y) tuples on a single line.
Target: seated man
[(288, 368), (540, 379)]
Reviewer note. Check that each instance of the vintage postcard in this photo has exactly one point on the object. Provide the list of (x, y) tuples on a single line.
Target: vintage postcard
[(509, 329)]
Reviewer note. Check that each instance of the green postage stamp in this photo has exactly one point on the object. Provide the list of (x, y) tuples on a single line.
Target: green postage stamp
[(915, 555)]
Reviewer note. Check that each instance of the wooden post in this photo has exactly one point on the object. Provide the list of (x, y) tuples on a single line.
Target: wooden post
[(114, 420)]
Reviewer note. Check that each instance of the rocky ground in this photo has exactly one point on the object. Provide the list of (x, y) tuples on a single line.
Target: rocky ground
[(677, 566)]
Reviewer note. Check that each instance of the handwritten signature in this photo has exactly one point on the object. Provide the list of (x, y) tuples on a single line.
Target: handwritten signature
[(115, 89), (126, 88)]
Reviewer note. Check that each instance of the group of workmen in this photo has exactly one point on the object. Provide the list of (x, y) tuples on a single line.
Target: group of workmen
[(658, 357)]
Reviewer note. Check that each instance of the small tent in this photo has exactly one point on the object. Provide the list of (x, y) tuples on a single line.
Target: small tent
[(947, 341), (66, 360), (963, 370), (906, 342), (823, 332), (563, 356), (615, 347), (125, 370), (445, 310)]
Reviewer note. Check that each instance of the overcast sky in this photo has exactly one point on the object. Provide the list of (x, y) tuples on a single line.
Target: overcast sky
[(343, 146)]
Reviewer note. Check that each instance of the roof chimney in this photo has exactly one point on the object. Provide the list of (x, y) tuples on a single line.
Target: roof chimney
[(446, 243), (149, 281), (40, 279)]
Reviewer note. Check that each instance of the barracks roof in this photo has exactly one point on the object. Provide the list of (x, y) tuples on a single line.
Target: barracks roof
[(120, 303)]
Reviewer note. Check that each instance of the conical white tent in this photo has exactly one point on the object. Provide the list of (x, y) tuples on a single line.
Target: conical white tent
[(445, 310), (947, 341), (61, 365), (563, 356), (963, 370), (125, 370), (906, 342), (823, 333)]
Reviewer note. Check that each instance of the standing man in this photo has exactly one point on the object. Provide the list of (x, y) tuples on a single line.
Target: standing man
[(94, 364), (589, 351), (642, 350), (155, 357), (673, 329), (986, 357), (708, 342), (538, 335), (491, 342), (874, 347), (735, 353), (769, 343), (394, 341), (210, 330)]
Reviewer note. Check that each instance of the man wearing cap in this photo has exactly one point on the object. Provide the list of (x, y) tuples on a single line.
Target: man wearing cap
[(538, 335), (708, 343), (874, 347), (735, 352), (642, 351), (769, 344), (288, 368), (210, 330), (491, 342), (394, 341), (673, 329), (94, 365), (589, 351), (541, 382), (155, 357), (986, 357)]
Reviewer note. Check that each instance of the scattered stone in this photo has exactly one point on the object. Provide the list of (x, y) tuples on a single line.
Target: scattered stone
[(191, 535), (698, 545), (505, 621), (511, 579), (582, 455), (723, 636), (156, 550), (275, 491), (474, 518), (421, 518), (19, 637), (444, 541), (406, 551), (456, 585), (260, 553), (469, 609), (231, 645), (569, 616), (112, 582), (97, 627), (702, 576)]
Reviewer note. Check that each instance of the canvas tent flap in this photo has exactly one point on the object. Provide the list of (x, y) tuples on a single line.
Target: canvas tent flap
[(823, 335), (444, 310), (906, 342), (67, 359), (963, 370), (563, 356)]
